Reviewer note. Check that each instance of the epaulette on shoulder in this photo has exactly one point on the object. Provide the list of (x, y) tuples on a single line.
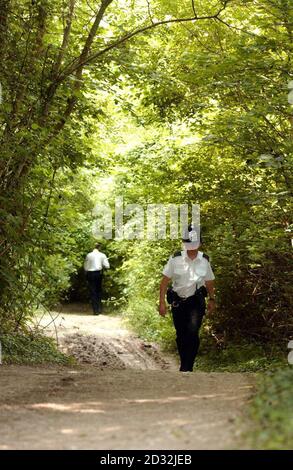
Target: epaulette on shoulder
[(206, 256), (177, 253)]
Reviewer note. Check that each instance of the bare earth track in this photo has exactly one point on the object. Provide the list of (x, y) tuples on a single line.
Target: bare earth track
[(124, 394)]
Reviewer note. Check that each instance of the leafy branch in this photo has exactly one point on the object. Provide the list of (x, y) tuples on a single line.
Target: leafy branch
[(135, 32), (77, 65)]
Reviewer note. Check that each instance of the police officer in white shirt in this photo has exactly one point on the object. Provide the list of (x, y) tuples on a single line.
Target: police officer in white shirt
[(192, 279), (94, 263)]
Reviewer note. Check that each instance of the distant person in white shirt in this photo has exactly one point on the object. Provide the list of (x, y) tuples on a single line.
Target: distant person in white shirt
[(94, 263)]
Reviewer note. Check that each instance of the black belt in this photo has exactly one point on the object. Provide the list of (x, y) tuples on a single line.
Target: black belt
[(175, 300)]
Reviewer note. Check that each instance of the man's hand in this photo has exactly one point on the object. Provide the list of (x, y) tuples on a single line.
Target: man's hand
[(162, 309), (211, 290), (211, 306)]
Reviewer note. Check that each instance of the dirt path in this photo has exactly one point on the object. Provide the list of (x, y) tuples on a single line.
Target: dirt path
[(123, 395)]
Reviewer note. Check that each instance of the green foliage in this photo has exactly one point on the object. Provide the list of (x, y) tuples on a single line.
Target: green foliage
[(31, 349), (37, 269), (238, 356), (272, 411)]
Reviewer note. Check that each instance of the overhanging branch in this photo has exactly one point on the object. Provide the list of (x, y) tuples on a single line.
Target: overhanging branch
[(69, 70)]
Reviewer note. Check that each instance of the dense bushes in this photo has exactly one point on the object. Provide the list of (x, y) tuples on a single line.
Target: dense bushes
[(31, 348), (37, 264), (272, 411)]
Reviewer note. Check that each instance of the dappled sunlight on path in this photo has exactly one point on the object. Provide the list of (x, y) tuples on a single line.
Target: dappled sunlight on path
[(123, 394)]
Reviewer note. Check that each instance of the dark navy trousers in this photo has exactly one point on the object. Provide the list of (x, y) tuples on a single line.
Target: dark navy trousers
[(187, 319), (94, 279)]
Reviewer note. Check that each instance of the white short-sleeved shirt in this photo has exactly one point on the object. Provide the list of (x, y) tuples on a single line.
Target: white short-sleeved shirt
[(95, 261), (188, 274)]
